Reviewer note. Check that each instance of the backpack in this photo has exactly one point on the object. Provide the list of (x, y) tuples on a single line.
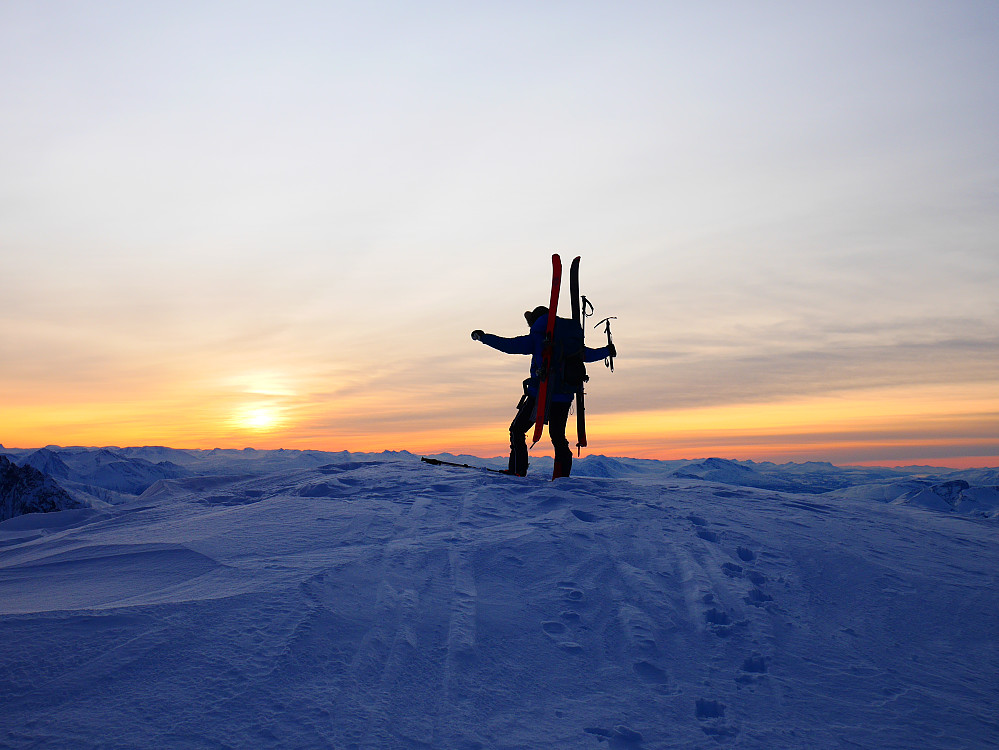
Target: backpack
[(568, 365)]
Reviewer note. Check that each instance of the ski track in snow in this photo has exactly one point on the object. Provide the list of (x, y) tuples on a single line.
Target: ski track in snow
[(396, 605)]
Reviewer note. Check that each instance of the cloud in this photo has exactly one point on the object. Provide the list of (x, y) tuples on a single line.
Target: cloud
[(673, 379)]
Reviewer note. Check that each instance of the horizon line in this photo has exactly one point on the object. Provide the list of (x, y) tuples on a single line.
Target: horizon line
[(857, 464)]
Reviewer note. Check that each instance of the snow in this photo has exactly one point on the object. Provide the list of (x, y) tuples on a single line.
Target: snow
[(309, 600)]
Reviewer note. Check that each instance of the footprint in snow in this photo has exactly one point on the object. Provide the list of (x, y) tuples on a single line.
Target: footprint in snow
[(745, 554), (711, 714), (755, 663), (653, 676), (553, 628), (717, 617), (585, 517), (757, 598), (757, 578), (569, 592), (708, 709), (720, 623), (754, 669), (621, 736), (732, 570), (708, 536)]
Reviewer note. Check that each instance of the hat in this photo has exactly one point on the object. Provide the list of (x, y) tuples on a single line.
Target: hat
[(533, 315)]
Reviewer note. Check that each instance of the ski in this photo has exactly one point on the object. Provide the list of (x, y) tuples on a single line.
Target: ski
[(546, 351), (439, 462), (577, 319)]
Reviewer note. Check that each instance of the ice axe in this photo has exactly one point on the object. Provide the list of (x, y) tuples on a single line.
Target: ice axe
[(606, 321)]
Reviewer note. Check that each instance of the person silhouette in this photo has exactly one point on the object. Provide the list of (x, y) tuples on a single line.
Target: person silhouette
[(561, 391)]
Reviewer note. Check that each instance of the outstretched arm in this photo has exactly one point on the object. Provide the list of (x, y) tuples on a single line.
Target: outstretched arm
[(516, 345), (595, 355)]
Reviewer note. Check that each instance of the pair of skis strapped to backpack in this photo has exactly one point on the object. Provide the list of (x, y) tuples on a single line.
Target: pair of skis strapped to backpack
[(548, 347)]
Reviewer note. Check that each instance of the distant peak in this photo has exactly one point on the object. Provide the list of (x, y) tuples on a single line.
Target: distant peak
[(721, 463)]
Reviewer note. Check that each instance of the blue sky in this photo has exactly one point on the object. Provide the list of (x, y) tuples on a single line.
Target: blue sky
[(203, 204)]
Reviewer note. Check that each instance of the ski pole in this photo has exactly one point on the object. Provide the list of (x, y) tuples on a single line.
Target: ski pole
[(587, 310), (606, 321)]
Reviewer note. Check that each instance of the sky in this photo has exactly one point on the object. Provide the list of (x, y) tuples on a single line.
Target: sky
[(275, 224)]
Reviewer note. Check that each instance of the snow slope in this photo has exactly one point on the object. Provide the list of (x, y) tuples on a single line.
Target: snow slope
[(378, 602)]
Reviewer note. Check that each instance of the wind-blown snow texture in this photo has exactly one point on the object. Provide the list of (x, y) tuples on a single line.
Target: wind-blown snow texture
[(379, 602)]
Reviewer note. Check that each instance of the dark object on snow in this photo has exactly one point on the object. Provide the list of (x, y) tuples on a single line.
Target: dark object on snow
[(439, 462)]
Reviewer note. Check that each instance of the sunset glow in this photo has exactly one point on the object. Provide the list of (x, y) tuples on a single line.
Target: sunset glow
[(911, 426), (257, 418)]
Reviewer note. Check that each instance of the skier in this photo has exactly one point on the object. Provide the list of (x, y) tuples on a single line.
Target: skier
[(560, 394)]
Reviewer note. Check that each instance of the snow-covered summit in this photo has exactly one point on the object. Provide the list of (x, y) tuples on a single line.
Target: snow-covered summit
[(374, 601), (47, 462)]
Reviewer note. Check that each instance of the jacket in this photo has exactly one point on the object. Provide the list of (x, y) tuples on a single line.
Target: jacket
[(533, 343)]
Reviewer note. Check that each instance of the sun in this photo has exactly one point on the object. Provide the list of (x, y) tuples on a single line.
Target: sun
[(258, 418)]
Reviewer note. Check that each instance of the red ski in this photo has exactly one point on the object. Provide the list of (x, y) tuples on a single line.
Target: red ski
[(546, 352)]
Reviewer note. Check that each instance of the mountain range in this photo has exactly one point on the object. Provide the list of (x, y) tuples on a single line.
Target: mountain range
[(107, 476)]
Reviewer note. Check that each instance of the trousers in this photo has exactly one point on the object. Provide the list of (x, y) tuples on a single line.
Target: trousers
[(558, 415)]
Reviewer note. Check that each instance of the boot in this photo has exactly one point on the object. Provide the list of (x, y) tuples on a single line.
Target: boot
[(562, 468)]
